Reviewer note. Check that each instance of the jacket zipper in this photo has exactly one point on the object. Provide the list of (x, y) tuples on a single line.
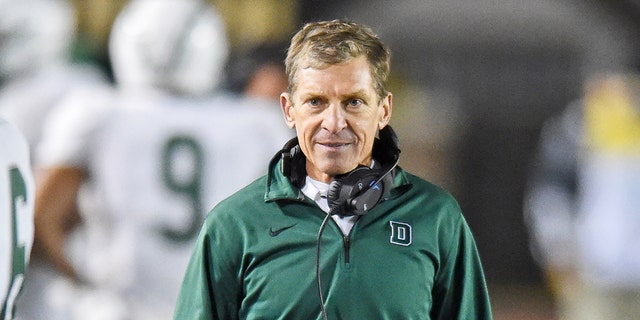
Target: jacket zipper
[(347, 245)]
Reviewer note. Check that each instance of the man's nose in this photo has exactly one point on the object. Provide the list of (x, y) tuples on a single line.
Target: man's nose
[(334, 118)]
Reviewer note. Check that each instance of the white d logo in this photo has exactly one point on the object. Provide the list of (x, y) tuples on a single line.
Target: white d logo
[(400, 233)]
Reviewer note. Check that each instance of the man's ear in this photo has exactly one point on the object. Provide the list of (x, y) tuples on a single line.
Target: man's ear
[(287, 109), (385, 113)]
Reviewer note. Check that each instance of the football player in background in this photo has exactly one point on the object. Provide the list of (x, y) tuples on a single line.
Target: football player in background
[(583, 201), (36, 72), (143, 163), (36, 67), (16, 215), (258, 71)]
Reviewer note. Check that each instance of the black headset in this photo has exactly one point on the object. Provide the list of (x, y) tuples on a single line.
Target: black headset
[(355, 192)]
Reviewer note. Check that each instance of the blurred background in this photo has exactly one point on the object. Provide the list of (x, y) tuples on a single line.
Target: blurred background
[(473, 83)]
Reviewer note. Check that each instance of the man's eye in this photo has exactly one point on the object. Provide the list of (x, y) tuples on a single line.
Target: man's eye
[(354, 102), (314, 102)]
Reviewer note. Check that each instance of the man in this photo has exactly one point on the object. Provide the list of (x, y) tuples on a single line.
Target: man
[(258, 71), (399, 248), (143, 163), (583, 201), (16, 215)]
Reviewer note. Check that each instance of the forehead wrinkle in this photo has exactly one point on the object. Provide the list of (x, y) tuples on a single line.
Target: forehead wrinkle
[(318, 92), (322, 83)]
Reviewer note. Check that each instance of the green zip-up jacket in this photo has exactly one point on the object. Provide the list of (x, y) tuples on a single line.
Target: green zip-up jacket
[(410, 257)]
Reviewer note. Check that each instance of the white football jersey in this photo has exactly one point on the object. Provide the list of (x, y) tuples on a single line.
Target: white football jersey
[(26, 101), (16, 214), (157, 165)]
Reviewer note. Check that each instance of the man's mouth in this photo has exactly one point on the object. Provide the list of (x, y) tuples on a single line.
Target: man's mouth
[(334, 145)]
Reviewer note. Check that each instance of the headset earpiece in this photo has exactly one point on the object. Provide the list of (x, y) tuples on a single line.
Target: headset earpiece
[(355, 193), (293, 162)]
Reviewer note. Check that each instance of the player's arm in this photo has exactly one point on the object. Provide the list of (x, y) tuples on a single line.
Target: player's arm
[(56, 214)]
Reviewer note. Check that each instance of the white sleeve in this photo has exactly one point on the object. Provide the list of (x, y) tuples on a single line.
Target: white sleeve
[(69, 130)]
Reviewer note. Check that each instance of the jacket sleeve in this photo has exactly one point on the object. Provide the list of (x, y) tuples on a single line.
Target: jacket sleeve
[(209, 289), (460, 290)]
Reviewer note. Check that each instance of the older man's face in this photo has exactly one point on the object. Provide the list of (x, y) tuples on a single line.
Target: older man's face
[(336, 114)]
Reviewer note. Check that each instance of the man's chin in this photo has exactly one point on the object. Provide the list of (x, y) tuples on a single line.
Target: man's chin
[(339, 170), (333, 166)]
